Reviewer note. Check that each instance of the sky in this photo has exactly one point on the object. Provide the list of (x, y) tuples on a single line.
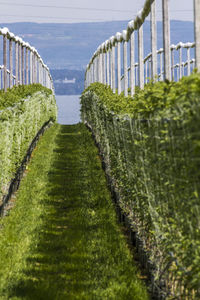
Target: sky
[(77, 11)]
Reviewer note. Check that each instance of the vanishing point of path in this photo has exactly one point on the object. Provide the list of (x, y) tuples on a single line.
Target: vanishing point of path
[(61, 239)]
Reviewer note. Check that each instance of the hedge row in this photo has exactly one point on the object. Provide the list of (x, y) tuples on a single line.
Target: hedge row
[(18, 93), (151, 146), (19, 124)]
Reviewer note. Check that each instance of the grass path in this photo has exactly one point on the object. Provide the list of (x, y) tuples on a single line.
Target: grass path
[(62, 240)]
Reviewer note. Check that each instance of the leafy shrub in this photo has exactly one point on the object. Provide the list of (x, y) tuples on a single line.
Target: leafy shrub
[(19, 124), (18, 93), (151, 146)]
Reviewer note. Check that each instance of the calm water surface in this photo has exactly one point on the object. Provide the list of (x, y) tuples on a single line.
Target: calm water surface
[(68, 109)]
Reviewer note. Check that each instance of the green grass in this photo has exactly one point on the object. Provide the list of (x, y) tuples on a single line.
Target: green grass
[(62, 240)]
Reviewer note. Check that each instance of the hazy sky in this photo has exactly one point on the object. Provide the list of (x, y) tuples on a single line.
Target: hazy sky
[(75, 11)]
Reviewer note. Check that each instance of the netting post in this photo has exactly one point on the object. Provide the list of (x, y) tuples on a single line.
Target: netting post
[(141, 57), (188, 61), (166, 39), (5, 62), (31, 67), (20, 64), (16, 63), (125, 70), (153, 41), (119, 67), (11, 62), (103, 67), (27, 77), (23, 71), (100, 67), (180, 63), (197, 32), (132, 63), (108, 67), (113, 68), (97, 68)]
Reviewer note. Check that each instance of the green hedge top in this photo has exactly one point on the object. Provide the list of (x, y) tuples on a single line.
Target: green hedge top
[(18, 93), (160, 99)]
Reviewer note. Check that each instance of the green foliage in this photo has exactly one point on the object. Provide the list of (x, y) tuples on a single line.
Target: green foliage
[(158, 99), (19, 93), (62, 239), (151, 145), (19, 124)]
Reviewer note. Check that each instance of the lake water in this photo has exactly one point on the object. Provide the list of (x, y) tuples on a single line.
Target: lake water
[(68, 109)]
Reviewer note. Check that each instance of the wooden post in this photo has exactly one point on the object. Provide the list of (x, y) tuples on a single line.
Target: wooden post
[(180, 63), (119, 68), (113, 68), (132, 63), (39, 72), (153, 41), (95, 77), (97, 68), (172, 63), (23, 68), (188, 61), (43, 77), (141, 57), (86, 78), (31, 67), (125, 70), (36, 69), (197, 32), (166, 39), (146, 71), (5, 82), (108, 67), (100, 68), (11, 62), (16, 63), (20, 64), (104, 67), (92, 73), (150, 65), (161, 66), (27, 75)]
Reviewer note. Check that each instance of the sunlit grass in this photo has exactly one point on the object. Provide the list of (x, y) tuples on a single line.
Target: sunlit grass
[(62, 240)]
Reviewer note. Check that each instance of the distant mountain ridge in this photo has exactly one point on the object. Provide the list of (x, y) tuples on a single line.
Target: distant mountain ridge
[(70, 46)]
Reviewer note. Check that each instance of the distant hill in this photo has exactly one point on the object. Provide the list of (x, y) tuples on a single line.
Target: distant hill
[(70, 46)]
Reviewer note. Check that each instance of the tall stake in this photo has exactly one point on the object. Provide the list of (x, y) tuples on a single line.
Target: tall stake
[(16, 63), (197, 32), (125, 70), (11, 62), (113, 68), (20, 63), (141, 57), (153, 40), (27, 77), (119, 67), (132, 59), (5, 62), (166, 39)]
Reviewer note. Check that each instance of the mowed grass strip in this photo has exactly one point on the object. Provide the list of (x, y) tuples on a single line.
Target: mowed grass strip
[(62, 240)]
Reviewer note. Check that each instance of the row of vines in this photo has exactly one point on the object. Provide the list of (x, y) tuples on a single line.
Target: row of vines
[(20, 121), (151, 147)]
